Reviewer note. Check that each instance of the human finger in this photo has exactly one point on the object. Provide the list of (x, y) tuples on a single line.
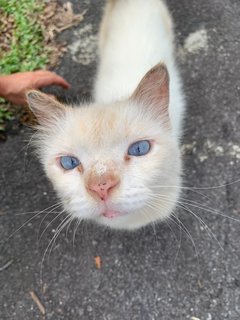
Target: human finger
[(47, 78)]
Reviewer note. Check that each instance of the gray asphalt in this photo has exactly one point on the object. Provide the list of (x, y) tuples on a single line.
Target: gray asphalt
[(162, 273)]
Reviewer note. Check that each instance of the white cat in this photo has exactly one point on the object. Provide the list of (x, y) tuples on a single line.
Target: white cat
[(117, 160)]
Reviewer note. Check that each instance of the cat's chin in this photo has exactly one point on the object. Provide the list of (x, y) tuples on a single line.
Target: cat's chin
[(130, 221)]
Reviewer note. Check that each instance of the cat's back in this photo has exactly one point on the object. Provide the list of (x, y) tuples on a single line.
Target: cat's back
[(135, 35)]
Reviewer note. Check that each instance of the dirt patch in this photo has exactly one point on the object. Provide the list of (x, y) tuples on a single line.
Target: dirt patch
[(7, 27), (54, 20)]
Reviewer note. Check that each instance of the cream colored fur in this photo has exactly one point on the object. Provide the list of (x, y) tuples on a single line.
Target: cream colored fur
[(135, 36)]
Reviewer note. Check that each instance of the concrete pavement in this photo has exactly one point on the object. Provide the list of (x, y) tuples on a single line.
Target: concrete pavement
[(162, 273)]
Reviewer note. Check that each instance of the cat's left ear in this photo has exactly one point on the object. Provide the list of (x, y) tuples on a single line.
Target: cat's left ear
[(153, 91), (46, 109)]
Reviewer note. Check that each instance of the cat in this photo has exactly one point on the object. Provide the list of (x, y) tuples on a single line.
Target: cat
[(116, 161)]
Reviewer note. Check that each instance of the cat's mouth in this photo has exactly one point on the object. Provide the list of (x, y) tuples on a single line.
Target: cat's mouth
[(111, 213)]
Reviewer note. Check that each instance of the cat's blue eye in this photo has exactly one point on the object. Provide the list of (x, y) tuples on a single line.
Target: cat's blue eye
[(68, 162), (139, 148)]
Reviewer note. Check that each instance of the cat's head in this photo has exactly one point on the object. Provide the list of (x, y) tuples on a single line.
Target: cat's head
[(118, 164)]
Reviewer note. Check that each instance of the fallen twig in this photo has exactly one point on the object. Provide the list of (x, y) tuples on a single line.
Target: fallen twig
[(38, 302), (6, 265)]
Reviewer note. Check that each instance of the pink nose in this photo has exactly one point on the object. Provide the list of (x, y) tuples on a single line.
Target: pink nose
[(102, 189)]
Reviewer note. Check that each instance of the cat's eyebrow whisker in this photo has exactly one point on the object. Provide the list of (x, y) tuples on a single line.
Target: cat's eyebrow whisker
[(29, 141)]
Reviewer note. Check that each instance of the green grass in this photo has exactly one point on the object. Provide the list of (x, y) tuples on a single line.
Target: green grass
[(5, 115), (27, 51)]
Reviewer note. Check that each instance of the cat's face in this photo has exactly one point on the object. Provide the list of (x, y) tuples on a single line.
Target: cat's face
[(117, 165)]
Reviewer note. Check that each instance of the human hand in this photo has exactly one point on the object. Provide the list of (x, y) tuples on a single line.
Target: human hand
[(13, 87)]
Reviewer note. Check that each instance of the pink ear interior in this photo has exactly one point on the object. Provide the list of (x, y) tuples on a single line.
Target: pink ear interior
[(153, 90), (46, 109)]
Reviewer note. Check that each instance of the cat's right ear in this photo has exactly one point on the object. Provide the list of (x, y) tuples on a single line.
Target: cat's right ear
[(46, 109)]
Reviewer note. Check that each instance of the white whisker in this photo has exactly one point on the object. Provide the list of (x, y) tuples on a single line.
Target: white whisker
[(26, 222), (199, 188), (182, 205), (54, 219), (78, 222), (52, 241)]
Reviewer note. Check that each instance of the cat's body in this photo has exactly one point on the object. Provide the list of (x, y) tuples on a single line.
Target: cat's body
[(117, 161), (135, 36)]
